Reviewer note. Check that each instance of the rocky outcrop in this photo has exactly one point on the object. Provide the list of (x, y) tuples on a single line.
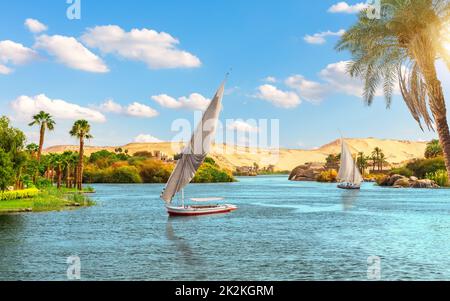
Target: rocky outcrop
[(399, 181), (307, 172)]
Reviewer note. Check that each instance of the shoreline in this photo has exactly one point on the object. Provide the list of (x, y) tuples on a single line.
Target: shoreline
[(47, 200)]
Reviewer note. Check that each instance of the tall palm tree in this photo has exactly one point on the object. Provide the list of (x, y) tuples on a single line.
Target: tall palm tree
[(70, 160), (376, 156), (362, 162), (44, 121), (81, 130), (402, 47), (58, 161), (382, 161)]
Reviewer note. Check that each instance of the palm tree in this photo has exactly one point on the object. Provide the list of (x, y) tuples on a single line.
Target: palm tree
[(382, 162), (32, 149), (81, 130), (362, 162), (69, 160), (44, 121), (376, 156), (333, 161), (402, 47)]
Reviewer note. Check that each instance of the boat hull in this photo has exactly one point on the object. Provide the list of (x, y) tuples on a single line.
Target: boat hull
[(349, 187), (200, 210)]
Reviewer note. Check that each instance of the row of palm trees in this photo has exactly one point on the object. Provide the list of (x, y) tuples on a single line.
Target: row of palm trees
[(377, 161), (81, 130)]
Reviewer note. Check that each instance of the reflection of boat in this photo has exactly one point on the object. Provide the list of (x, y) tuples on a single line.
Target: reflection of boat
[(192, 158), (349, 198), (349, 176)]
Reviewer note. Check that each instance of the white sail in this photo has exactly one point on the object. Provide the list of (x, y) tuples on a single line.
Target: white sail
[(197, 150), (348, 172)]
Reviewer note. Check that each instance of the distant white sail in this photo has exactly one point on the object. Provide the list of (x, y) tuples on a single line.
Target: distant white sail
[(197, 150), (349, 172)]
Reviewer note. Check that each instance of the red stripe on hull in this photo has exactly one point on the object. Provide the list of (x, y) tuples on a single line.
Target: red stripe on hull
[(198, 213)]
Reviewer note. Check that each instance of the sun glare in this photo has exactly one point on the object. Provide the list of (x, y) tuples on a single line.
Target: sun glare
[(447, 39)]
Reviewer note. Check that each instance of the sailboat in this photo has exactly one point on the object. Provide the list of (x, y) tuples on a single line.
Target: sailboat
[(192, 158), (349, 175)]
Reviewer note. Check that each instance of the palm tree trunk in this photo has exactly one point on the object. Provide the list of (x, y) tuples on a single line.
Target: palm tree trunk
[(74, 180), (80, 165), (67, 175), (437, 105), (59, 176), (444, 138), (41, 142)]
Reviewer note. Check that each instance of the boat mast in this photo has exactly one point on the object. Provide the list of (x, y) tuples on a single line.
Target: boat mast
[(182, 197)]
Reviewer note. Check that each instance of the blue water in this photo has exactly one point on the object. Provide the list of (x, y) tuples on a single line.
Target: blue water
[(282, 231)]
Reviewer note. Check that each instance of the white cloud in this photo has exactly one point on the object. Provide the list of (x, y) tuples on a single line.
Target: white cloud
[(337, 77), (135, 109), (71, 53), (5, 70), (270, 79), (320, 38), (277, 97), (157, 49), (145, 138), (309, 90), (35, 26), (194, 102), (344, 7), (26, 106), (109, 106), (15, 54), (242, 126), (140, 110)]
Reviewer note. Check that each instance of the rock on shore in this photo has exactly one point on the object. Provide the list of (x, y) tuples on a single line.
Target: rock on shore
[(307, 172), (399, 181)]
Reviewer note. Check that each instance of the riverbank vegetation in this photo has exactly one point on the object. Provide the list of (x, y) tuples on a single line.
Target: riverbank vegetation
[(48, 199), (27, 173), (107, 167), (375, 168), (31, 181), (429, 171)]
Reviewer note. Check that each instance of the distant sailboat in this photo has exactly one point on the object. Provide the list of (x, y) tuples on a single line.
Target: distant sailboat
[(349, 175), (192, 158)]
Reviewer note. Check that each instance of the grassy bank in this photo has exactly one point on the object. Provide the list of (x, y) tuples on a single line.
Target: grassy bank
[(48, 199)]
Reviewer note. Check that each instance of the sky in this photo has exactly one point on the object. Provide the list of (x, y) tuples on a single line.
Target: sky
[(131, 68)]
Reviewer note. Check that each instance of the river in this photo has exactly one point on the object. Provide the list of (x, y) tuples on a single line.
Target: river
[(282, 231)]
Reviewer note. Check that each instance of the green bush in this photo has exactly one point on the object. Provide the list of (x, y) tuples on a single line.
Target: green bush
[(403, 171), (211, 173), (328, 176), (422, 167), (124, 175), (18, 194), (440, 177), (6, 170), (155, 171), (43, 183)]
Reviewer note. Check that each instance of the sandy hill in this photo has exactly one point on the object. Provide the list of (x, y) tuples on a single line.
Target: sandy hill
[(396, 151)]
